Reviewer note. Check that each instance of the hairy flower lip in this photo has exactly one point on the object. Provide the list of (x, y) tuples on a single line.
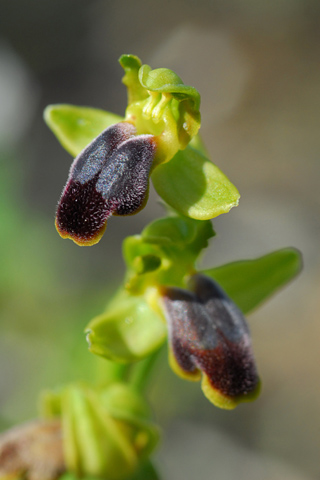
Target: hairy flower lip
[(208, 334), (109, 177)]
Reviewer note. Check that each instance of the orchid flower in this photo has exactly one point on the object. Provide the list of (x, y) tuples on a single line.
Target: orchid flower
[(115, 156)]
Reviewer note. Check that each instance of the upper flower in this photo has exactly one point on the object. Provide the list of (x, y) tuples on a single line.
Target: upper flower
[(115, 156), (110, 176)]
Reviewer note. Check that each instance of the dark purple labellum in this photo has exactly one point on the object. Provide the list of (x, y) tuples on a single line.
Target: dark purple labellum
[(207, 332), (110, 176)]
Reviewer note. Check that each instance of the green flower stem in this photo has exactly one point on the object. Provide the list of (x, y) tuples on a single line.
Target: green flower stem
[(142, 371), (109, 372)]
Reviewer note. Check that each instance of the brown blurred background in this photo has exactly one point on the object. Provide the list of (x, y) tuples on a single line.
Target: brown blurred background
[(256, 65)]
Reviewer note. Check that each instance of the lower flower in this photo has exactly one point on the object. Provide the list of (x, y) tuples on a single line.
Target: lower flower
[(208, 334)]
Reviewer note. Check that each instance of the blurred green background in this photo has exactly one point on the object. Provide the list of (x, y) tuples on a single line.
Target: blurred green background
[(256, 65)]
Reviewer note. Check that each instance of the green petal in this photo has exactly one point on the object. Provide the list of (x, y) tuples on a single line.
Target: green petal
[(163, 80), (128, 331), (75, 127), (194, 186), (250, 282), (131, 65)]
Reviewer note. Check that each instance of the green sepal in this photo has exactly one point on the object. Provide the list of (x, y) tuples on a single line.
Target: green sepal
[(75, 127), (179, 232), (128, 331), (194, 186), (249, 282)]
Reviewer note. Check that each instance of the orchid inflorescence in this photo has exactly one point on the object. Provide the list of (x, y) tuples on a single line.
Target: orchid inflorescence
[(106, 431)]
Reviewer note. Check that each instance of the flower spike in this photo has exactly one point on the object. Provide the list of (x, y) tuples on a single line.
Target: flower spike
[(110, 176), (208, 334), (161, 106)]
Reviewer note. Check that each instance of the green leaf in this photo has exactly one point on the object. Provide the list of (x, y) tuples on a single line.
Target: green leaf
[(75, 127), (250, 282), (194, 186), (128, 331)]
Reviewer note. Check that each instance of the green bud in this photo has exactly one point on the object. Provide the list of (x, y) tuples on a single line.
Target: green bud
[(106, 433)]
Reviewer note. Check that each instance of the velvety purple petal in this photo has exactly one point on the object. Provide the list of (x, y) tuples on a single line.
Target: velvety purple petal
[(109, 177), (207, 332), (124, 181)]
